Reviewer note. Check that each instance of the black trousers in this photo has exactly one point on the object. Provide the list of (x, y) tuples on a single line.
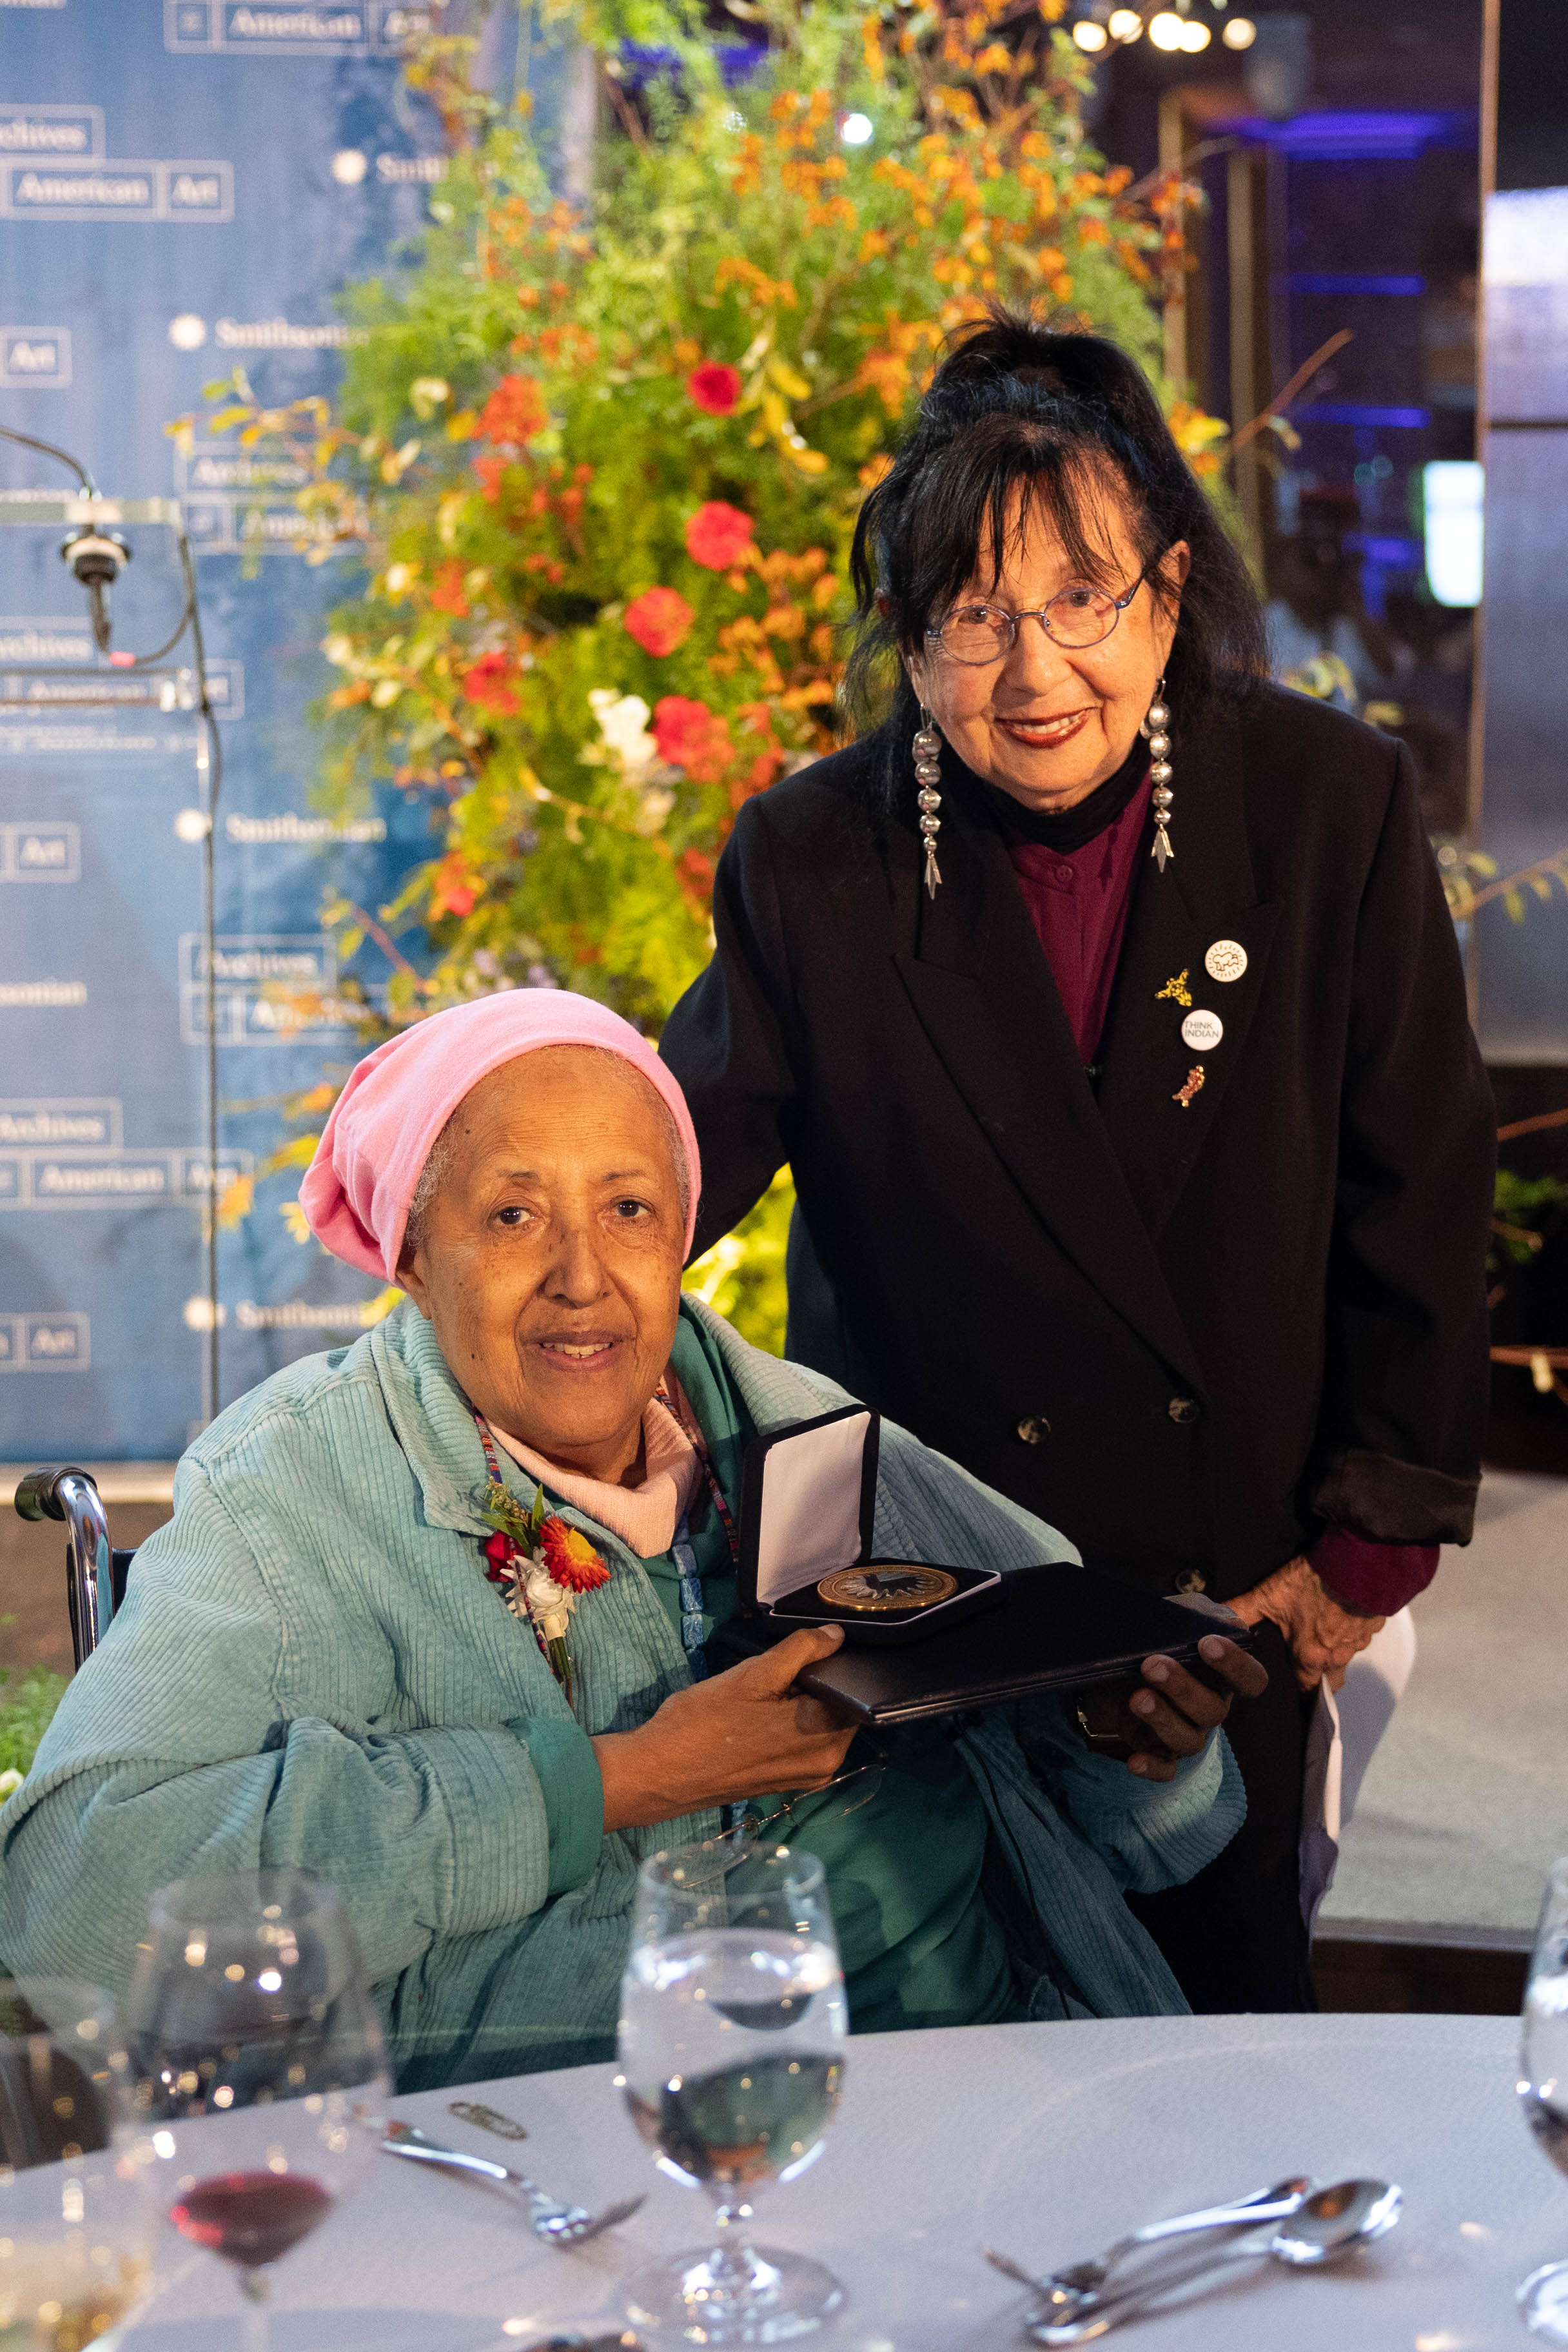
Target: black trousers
[(1233, 1935)]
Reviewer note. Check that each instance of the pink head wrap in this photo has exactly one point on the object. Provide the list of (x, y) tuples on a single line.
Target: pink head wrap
[(358, 1187)]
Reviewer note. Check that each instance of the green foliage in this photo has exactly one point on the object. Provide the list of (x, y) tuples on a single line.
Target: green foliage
[(1524, 1209), (600, 467), (741, 1277), (26, 1708)]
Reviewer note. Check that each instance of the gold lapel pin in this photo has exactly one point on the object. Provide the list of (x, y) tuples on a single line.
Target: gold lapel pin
[(1184, 1094), (1176, 989)]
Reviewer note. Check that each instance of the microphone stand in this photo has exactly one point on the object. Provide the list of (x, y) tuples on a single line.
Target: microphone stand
[(90, 515)]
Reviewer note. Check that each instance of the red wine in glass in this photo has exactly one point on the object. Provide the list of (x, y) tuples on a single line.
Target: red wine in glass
[(258, 2066), (251, 2218)]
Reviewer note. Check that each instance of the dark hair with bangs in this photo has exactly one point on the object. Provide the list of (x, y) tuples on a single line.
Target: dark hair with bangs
[(1018, 410)]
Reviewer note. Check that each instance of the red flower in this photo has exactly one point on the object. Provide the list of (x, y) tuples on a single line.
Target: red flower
[(455, 891), (715, 387), (514, 412), (660, 619), (692, 736), (490, 471), (499, 1551), (488, 684), (570, 1558), (718, 535)]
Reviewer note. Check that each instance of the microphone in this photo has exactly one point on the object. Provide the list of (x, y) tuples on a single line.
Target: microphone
[(97, 559)]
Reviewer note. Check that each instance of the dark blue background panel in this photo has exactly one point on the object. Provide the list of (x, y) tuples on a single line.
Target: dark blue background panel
[(184, 184)]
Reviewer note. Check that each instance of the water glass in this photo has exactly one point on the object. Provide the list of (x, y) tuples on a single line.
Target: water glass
[(77, 2216), (732, 2037), (1543, 2092), (257, 2065)]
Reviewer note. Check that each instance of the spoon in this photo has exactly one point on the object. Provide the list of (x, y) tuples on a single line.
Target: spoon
[(1326, 2227), (1087, 2278)]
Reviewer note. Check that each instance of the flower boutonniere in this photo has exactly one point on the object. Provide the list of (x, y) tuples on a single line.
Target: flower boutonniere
[(543, 1566)]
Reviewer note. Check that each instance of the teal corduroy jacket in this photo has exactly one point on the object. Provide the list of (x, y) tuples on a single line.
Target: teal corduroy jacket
[(310, 1668)]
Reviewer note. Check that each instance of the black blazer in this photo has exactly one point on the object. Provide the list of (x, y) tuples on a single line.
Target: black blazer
[(1185, 1334)]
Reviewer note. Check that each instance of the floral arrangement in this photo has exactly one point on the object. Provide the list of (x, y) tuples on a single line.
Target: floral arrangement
[(543, 1566), (598, 466)]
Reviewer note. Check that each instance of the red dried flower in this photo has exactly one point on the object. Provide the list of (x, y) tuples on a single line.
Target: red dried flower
[(660, 619), (570, 1558), (692, 736), (714, 387), (489, 684), (718, 535), (514, 412)]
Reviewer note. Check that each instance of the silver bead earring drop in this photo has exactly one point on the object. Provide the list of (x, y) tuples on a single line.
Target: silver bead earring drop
[(1155, 727), (927, 748)]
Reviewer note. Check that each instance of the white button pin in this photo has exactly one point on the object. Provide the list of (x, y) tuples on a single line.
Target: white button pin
[(1226, 959), (1202, 1031)]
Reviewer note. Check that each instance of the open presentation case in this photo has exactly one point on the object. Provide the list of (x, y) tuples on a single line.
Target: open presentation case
[(809, 1502), (807, 1506)]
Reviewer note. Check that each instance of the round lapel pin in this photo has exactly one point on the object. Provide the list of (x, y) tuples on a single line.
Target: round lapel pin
[(1226, 959), (1201, 1032)]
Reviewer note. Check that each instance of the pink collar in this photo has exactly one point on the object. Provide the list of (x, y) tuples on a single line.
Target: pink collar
[(643, 1516)]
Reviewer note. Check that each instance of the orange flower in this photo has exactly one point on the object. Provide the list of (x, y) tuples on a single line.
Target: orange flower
[(446, 590), (718, 535), (660, 619), (455, 891), (514, 412), (714, 387), (692, 736), (570, 1558), (488, 684)]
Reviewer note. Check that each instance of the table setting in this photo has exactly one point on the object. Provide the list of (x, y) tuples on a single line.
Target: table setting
[(221, 2157)]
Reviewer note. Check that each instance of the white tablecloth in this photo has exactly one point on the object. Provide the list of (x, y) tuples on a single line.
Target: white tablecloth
[(1046, 2140)]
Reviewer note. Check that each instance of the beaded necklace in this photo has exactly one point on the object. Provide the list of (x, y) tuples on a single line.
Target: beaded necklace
[(682, 1550)]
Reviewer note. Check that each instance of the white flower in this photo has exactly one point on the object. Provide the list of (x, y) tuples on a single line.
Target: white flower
[(654, 805), (550, 1607), (623, 723)]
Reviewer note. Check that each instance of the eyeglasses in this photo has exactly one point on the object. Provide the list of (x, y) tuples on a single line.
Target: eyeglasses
[(978, 634)]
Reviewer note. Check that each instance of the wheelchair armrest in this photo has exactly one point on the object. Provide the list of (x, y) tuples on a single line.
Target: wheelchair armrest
[(71, 1494), (39, 1494)]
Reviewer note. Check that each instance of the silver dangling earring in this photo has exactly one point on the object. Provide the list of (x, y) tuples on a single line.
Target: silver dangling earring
[(1154, 728), (927, 748)]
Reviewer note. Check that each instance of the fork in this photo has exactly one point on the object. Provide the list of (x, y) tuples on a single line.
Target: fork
[(557, 2224), (1087, 2278)]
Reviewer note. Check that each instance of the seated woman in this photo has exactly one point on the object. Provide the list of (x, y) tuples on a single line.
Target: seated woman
[(327, 1657)]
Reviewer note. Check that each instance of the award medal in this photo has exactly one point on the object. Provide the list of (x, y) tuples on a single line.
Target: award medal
[(891, 1586)]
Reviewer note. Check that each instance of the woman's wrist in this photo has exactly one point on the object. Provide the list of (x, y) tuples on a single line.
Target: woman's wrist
[(630, 1803)]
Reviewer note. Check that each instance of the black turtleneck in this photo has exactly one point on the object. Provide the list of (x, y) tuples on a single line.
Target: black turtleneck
[(1070, 829)]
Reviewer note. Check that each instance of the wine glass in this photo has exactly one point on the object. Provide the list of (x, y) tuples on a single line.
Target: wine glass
[(77, 2216), (732, 2026), (258, 2065), (1543, 2093)]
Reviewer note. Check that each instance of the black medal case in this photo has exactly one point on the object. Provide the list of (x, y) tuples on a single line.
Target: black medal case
[(808, 1501)]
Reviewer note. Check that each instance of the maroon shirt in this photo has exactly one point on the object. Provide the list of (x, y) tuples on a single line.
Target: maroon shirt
[(1079, 902)]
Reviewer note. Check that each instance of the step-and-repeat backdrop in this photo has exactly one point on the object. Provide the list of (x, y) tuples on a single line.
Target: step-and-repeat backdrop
[(184, 184)]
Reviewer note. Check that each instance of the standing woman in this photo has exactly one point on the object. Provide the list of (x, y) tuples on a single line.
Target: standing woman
[(1104, 1002)]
